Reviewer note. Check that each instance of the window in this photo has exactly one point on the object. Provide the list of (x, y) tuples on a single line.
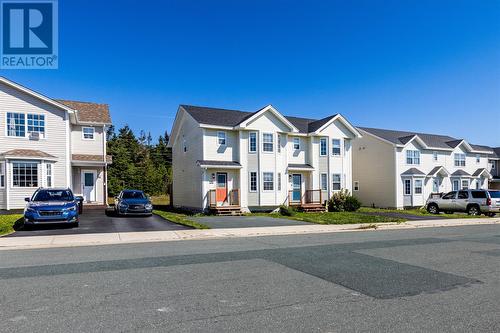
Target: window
[(407, 183), (412, 157), (36, 123), (268, 181), (267, 142), (435, 156), (465, 184), (455, 185), (435, 186), (16, 124), (356, 185), (2, 174), (478, 194), (418, 186), (221, 137), (88, 133), (324, 182), (335, 147), (279, 181), (279, 143), (449, 195), (478, 158), (459, 159), (252, 142), (25, 174), (184, 145), (478, 184), (253, 181), (49, 174), (492, 165), (296, 143), (322, 147), (336, 182), (463, 195)]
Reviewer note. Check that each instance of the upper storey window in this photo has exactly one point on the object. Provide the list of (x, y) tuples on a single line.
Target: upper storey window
[(20, 124), (221, 138), (459, 159), (335, 147), (88, 133), (267, 142), (412, 157), (296, 143), (252, 142), (322, 147)]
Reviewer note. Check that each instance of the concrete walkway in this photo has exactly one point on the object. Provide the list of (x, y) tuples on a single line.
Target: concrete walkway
[(11, 243)]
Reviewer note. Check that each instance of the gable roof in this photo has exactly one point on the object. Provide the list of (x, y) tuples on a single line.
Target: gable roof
[(430, 140), (460, 173), (27, 153), (89, 112), (413, 171)]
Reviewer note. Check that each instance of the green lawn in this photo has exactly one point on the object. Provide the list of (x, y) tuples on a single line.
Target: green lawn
[(180, 218), (336, 218), (418, 212), (7, 223)]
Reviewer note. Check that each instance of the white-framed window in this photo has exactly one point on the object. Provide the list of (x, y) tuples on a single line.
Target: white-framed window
[(435, 186), (356, 185), (279, 181), (253, 181), (435, 156), (459, 159), (88, 133), (478, 184), (324, 182), (267, 142), (455, 185), (296, 143), (336, 182), (323, 149), (336, 147), (278, 148), (413, 157), (478, 158), (407, 186), (25, 174), (252, 142), (2, 174), (36, 124), (48, 167), (418, 186), (268, 181), (16, 124), (465, 184), (221, 138)]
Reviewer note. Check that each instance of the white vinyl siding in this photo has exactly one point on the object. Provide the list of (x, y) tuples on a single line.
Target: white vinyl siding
[(81, 145)]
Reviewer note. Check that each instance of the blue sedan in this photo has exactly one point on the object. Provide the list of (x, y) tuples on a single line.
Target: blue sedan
[(52, 206), (133, 202)]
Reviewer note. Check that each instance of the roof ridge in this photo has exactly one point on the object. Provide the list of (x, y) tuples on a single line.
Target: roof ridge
[(74, 101)]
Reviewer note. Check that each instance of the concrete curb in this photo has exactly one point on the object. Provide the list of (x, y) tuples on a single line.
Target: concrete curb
[(38, 242)]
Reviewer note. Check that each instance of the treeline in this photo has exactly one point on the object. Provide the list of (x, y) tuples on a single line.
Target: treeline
[(138, 163)]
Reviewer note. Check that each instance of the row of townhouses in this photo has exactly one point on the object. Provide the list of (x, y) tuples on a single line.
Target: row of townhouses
[(228, 159), (50, 143)]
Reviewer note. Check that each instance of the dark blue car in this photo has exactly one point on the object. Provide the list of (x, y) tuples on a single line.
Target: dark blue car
[(52, 206), (133, 202)]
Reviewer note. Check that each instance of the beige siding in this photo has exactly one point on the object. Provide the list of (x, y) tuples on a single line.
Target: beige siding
[(89, 147), (373, 166), (187, 183), (214, 151), (77, 182)]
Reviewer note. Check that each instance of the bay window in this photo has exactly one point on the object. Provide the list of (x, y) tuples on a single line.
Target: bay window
[(25, 174)]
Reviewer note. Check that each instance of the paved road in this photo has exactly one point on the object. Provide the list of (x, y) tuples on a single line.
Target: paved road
[(96, 221), (431, 280), (217, 222)]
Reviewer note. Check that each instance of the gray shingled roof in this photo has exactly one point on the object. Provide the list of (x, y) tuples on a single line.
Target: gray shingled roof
[(300, 166), (413, 171), (219, 163), (225, 117), (435, 169), (431, 140), (478, 172), (460, 173)]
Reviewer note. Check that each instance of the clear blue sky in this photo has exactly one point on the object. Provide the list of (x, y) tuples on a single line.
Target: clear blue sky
[(431, 66)]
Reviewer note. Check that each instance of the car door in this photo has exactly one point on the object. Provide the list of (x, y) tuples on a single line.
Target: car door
[(447, 202), (462, 201)]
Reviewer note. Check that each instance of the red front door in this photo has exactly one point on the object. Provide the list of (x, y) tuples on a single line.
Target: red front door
[(221, 191)]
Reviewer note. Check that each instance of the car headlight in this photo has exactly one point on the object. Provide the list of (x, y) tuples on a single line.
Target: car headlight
[(123, 205), (71, 209), (149, 206), (31, 210)]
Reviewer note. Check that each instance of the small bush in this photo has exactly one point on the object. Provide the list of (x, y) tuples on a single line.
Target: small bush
[(286, 211), (343, 201)]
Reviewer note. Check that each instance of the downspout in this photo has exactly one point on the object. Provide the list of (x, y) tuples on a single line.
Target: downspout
[(105, 169), (7, 183)]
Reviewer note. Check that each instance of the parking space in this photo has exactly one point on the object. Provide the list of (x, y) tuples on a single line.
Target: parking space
[(218, 222), (96, 221)]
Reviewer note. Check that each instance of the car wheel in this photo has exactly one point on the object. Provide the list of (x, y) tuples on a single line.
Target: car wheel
[(473, 210), (433, 209)]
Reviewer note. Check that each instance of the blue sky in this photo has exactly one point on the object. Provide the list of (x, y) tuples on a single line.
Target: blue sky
[(429, 66)]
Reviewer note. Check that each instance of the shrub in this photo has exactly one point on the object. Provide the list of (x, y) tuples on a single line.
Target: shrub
[(286, 210), (343, 201)]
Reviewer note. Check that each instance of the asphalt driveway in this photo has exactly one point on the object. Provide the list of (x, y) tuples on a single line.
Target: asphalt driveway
[(219, 222), (96, 221)]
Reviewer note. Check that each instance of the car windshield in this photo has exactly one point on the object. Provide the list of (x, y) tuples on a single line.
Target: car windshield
[(53, 195), (133, 195), (495, 194)]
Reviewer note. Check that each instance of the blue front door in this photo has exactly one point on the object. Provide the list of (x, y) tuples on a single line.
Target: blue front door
[(296, 187)]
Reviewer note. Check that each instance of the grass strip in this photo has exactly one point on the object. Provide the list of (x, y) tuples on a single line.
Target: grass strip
[(179, 218)]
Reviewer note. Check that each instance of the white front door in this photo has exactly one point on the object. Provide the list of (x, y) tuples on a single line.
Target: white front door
[(88, 185)]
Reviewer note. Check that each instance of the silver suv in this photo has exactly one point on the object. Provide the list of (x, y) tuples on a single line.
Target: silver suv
[(473, 202)]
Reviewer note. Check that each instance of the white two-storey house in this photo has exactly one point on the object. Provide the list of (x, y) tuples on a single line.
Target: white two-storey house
[(50, 143), (396, 169), (494, 169), (258, 160)]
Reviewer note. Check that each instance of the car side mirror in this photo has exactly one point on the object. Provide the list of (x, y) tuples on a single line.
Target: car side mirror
[(27, 199), (79, 198)]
